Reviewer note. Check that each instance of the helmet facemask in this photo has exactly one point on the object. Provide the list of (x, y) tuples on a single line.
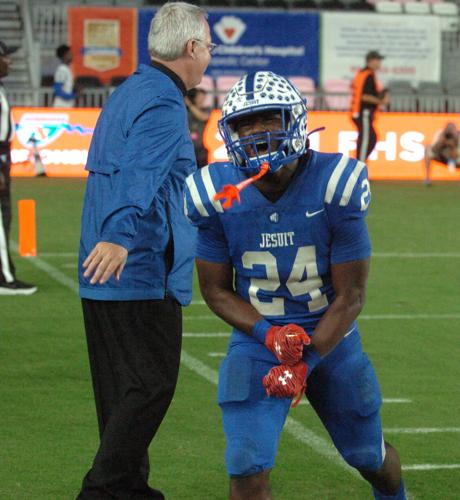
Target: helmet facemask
[(277, 147)]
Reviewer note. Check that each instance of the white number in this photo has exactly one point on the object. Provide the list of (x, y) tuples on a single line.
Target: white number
[(304, 279), (271, 283), (365, 197)]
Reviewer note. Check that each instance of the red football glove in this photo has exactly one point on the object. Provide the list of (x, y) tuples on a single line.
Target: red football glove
[(287, 381), (286, 343)]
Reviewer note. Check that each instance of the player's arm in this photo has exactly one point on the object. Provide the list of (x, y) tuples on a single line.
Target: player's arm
[(216, 285), (349, 281)]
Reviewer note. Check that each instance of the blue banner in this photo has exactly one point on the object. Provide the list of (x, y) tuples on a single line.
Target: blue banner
[(283, 42)]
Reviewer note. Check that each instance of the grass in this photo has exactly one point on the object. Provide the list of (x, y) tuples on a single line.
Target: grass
[(48, 428)]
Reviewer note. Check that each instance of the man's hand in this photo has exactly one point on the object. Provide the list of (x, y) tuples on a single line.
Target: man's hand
[(286, 343), (286, 381), (104, 260)]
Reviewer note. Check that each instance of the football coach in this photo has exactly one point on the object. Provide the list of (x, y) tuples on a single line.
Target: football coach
[(137, 248)]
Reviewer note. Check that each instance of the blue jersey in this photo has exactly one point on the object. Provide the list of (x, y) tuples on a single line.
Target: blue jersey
[(282, 251)]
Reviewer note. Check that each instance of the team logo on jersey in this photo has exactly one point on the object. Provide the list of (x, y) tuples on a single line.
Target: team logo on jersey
[(274, 217), (312, 214), (230, 29)]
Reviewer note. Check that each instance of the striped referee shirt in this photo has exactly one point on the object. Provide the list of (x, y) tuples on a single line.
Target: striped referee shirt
[(6, 121)]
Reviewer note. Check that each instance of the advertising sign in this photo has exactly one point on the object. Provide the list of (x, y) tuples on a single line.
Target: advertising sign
[(56, 141), (411, 45), (104, 41), (398, 155), (60, 139), (286, 43)]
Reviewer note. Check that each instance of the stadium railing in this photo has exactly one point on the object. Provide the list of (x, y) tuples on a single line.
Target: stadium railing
[(424, 101)]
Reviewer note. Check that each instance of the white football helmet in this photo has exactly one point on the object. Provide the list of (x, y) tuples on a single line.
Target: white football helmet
[(255, 93)]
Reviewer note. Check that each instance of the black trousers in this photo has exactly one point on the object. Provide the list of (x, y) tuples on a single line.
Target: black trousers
[(134, 354), (367, 136), (7, 271)]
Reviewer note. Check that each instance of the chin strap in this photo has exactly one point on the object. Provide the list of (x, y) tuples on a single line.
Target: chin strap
[(232, 192)]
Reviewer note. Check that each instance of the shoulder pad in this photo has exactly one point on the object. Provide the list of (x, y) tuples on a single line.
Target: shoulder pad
[(346, 174), (201, 187)]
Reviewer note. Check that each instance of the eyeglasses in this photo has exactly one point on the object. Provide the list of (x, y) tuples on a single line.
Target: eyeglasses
[(210, 46)]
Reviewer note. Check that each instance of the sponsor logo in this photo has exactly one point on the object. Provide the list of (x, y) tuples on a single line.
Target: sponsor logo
[(312, 214), (230, 29), (43, 129)]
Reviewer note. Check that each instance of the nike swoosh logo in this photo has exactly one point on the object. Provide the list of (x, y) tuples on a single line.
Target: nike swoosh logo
[(312, 214)]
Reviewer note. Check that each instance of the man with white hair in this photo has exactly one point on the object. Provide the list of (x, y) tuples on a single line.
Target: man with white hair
[(136, 250)]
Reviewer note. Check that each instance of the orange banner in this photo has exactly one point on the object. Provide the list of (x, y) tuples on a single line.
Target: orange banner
[(103, 41), (52, 141), (399, 154), (57, 140)]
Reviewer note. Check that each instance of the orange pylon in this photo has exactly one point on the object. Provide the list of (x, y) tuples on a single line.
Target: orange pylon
[(27, 228)]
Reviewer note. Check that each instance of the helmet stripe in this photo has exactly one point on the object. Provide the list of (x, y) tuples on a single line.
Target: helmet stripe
[(249, 85)]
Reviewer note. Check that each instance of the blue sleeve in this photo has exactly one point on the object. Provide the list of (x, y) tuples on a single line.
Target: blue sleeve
[(203, 212), (149, 155), (57, 89), (347, 211), (212, 244)]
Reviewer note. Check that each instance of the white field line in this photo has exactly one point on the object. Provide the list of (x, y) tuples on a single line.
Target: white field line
[(304, 402), (58, 254), (293, 427), (388, 255), (417, 255), (418, 467), (296, 429), (205, 335), (363, 317), (421, 430), (52, 271), (299, 431), (217, 354)]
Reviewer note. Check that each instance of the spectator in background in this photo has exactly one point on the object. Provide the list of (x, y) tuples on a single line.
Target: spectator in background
[(366, 97), (198, 116), (64, 95), (445, 148), (9, 285), (137, 249)]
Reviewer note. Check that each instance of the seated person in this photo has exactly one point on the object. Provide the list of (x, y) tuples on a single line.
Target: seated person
[(445, 148)]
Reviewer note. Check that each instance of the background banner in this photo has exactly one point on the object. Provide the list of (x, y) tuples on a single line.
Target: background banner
[(63, 136), (398, 155), (104, 41), (411, 44), (285, 43)]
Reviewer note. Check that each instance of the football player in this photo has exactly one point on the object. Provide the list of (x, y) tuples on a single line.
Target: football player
[(287, 268)]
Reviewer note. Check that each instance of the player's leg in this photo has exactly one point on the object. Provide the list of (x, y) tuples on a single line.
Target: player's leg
[(359, 141), (7, 271), (252, 424), (372, 136), (428, 157), (387, 482), (345, 393), (255, 487), (365, 135)]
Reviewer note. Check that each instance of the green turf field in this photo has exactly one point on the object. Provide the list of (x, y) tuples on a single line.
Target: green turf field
[(410, 329)]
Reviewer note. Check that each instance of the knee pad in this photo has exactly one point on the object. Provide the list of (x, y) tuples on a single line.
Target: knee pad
[(364, 459), (241, 458)]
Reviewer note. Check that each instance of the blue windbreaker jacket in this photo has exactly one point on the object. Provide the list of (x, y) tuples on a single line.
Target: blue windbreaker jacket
[(140, 155)]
